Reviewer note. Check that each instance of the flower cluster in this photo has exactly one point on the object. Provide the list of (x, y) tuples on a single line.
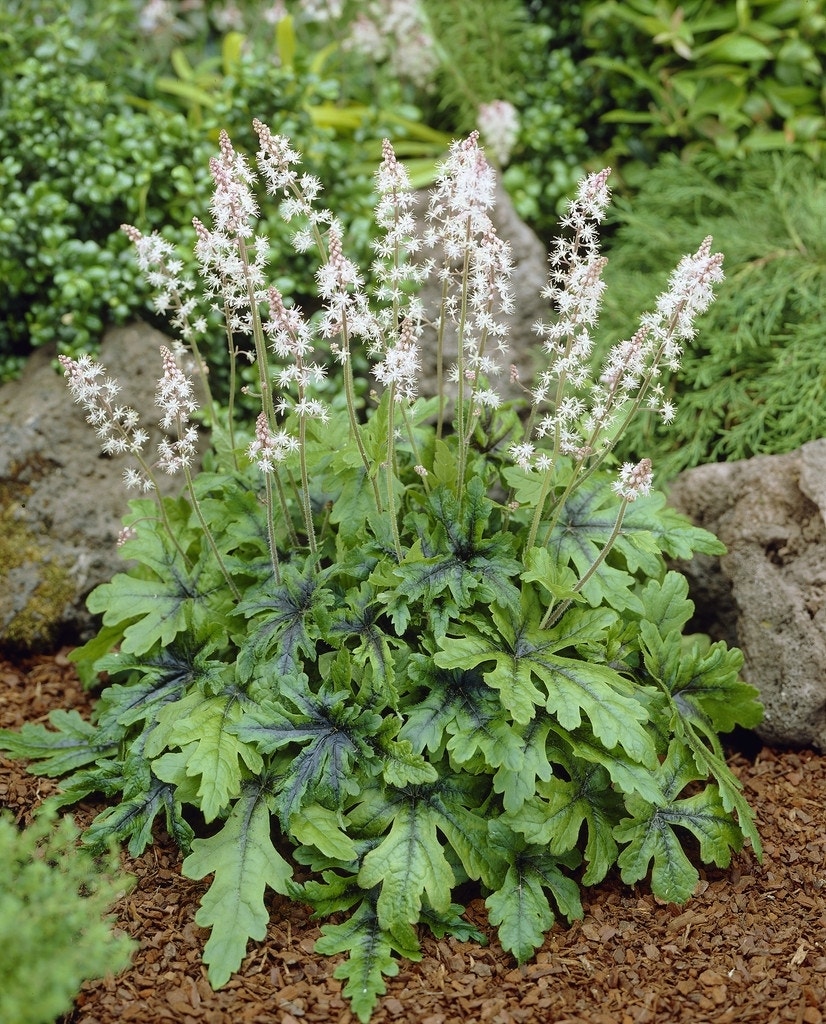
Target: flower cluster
[(396, 30), (276, 158), (117, 426), (174, 397), (499, 127), (231, 257), (401, 314), (634, 366), (401, 365), (269, 448), (291, 339), (476, 266), (575, 288), (173, 293), (586, 415), (634, 481)]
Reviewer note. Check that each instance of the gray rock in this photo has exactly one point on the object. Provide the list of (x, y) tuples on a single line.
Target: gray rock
[(767, 595), (61, 500)]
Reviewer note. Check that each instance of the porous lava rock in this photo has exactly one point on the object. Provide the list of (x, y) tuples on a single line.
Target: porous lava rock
[(767, 594)]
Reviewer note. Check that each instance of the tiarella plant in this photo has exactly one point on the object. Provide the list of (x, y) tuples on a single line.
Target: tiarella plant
[(423, 644)]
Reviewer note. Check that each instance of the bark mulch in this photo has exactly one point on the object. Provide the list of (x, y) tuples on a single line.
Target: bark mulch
[(749, 948)]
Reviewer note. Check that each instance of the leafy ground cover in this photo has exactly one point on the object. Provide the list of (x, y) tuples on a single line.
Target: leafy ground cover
[(749, 947)]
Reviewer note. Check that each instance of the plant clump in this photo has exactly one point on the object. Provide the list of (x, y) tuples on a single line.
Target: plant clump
[(424, 643)]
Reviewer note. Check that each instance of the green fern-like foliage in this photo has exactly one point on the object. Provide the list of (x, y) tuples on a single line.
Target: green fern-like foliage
[(752, 382), (52, 896), (480, 45)]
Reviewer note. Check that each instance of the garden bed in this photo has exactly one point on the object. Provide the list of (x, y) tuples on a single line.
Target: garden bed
[(750, 946)]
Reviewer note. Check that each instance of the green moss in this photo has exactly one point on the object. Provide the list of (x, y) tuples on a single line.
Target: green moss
[(36, 623)]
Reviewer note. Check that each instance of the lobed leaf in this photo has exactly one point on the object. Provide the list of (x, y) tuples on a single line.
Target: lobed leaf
[(520, 906), (407, 863), (244, 862), (204, 728), (650, 831), (331, 741), (370, 947), (71, 743)]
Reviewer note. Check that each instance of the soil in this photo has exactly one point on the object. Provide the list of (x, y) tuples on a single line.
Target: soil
[(749, 948)]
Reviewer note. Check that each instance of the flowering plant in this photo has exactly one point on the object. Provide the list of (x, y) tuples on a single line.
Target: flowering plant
[(430, 643)]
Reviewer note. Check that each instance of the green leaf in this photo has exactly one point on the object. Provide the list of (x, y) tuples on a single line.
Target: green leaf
[(666, 604), (527, 487), (188, 91), (331, 894), (606, 698), (458, 705), (453, 555), (360, 620), (157, 596), (283, 621), (711, 762), (409, 862), (371, 948), (355, 502), (244, 862), (736, 48), (522, 654), (85, 656), (627, 775), (554, 817), (703, 684), (706, 696), (331, 740), (285, 41), (445, 469), (157, 610), (584, 526), (673, 532), (234, 514), (558, 580), (71, 743), (512, 675), (404, 767), (453, 803), (650, 831), (520, 906), (317, 826), (522, 913), (519, 784), (452, 924), (134, 817), (156, 680), (204, 728)]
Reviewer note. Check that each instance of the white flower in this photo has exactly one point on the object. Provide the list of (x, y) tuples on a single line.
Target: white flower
[(634, 480)]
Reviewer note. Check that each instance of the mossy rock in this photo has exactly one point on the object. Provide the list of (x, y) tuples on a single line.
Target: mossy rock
[(37, 587)]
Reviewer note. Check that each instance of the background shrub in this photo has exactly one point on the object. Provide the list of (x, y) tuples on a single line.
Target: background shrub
[(89, 141), (52, 896), (735, 77)]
